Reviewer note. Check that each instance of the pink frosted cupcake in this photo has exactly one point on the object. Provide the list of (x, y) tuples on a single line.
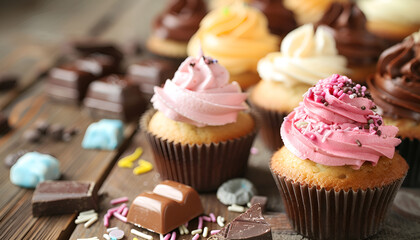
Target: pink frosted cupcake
[(202, 124)]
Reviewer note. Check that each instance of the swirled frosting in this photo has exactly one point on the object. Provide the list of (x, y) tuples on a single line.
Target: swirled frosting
[(354, 41), (305, 57), (336, 125), (180, 20), (309, 11), (200, 94), (401, 11), (236, 35), (396, 83), (280, 19)]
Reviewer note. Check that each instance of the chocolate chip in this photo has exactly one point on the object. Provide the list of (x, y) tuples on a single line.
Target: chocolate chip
[(42, 127), (379, 122), (32, 135), (358, 143), (379, 132), (325, 103), (363, 108), (375, 128)]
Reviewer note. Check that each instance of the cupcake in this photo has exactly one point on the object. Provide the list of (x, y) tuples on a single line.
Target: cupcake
[(361, 48), (238, 37), (174, 27), (214, 4), (305, 57), (201, 124), (280, 19), (337, 171), (393, 20), (309, 11), (395, 87)]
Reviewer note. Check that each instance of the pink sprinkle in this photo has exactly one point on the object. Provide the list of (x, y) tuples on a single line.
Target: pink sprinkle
[(112, 210), (120, 217), (108, 214), (196, 236), (119, 200), (207, 219), (342, 96), (121, 208), (200, 223), (212, 232), (213, 218), (124, 212), (106, 221), (254, 150), (167, 236), (173, 236)]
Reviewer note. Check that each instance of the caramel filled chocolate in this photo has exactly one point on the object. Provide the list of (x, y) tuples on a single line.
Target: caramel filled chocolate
[(170, 205), (62, 197)]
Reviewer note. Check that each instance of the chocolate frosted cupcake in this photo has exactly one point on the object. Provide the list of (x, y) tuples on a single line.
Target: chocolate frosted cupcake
[(174, 27), (337, 173), (201, 125), (280, 19), (395, 87), (305, 56), (361, 48)]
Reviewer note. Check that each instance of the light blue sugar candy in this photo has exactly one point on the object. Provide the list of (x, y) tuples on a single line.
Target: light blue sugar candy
[(106, 134), (33, 168)]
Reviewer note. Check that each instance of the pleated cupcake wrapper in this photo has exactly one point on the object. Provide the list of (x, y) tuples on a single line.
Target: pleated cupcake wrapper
[(328, 214), (204, 167), (270, 126), (410, 150)]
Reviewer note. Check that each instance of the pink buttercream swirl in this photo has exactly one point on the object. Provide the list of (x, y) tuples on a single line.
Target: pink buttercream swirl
[(200, 94), (336, 125)]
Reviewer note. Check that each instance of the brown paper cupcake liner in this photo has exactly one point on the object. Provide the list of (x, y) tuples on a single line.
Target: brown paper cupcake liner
[(329, 214), (410, 150), (204, 167), (270, 126)]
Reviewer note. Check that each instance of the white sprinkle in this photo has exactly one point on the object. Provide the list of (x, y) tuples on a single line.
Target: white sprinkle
[(110, 229), (196, 231), (236, 208), (160, 236), (140, 234), (90, 222), (181, 230), (87, 212), (205, 231), (106, 236), (326, 135), (84, 219), (186, 231), (220, 221), (249, 204)]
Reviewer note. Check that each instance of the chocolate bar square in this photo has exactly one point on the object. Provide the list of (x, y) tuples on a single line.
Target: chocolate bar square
[(63, 197)]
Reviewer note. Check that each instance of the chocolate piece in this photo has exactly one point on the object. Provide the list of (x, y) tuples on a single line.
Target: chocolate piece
[(98, 64), (62, 197), (42, 127), (262, 200), (151, 72), (236, 191), (32, 135), (12, 158), (56, 131), (4, 124), (167, 207), (7, 82), (89, 46), (115, 97), (249, 225)]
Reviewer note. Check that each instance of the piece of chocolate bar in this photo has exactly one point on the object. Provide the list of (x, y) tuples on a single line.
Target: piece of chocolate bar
[(4, 124), (262, 200), (249, 225), (148, 73), (170, 205), (63, 197), (90, 46), (115, 97)]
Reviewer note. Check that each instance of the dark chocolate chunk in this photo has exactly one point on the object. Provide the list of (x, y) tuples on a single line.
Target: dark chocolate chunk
[(32, 135), (90, 46), (56, 131), (249, 225), (62, 197), (262, 200), (4, 124), (12, 158), (170, 205), (115, 97), (7, 82), (42, 127)]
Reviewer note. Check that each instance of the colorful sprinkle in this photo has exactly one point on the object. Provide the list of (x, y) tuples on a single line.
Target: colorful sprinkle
[(119, 200), (144, 166), (127, 162), (140, 234), (196, 236)]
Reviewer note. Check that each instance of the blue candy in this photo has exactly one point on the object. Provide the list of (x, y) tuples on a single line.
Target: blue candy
[(33, 168), (106, 134)]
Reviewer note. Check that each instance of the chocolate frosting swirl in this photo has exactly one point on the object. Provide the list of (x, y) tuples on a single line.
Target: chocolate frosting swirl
[(280, 20), (396, 84), (180, 20), (354, 41)]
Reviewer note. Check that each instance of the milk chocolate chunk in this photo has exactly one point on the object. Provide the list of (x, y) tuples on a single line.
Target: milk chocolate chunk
[(170, 205), (262, 200), (249, 225), (63, 197), (115, 97), (148, 73)]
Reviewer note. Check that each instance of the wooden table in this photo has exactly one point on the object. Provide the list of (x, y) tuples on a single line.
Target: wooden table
[(32, 33)]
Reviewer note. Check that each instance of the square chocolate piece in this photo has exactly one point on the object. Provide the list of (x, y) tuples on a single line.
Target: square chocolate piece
[(63, 197), (151, 72), (115, 97)]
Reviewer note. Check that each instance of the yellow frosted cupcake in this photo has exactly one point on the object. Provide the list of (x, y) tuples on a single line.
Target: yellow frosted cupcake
[(238, 37), (305, 57), (309, 11)]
